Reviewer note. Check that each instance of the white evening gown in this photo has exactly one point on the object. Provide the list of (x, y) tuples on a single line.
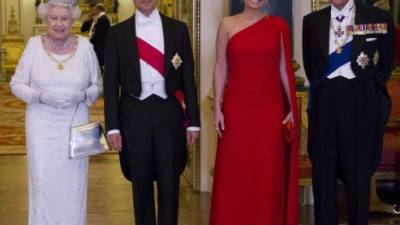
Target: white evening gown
[(57, 185)]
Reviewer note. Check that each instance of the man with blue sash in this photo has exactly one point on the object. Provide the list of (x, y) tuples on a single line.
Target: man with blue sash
[(348, 58)]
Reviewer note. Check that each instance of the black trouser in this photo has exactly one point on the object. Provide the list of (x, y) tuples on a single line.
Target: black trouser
[(154, 149), (168, 193), (338, 156)]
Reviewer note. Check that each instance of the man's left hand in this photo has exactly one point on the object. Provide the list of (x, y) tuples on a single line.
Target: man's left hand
[(191, 136)]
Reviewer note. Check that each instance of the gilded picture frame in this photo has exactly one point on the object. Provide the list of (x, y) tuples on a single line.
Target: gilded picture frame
[(319, 4)]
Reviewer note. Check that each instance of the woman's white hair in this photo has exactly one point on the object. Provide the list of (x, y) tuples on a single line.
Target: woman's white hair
[(44, 8)]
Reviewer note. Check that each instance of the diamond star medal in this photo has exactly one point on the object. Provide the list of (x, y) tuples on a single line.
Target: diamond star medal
[(363, 60), (176, 61)]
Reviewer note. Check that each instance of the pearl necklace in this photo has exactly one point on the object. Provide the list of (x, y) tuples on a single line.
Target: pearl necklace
[(59, 49)]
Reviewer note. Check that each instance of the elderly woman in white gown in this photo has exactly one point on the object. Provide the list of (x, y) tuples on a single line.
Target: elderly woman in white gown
[(57, 74)]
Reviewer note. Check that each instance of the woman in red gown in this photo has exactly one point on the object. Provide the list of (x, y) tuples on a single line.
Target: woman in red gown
[(256, 166)]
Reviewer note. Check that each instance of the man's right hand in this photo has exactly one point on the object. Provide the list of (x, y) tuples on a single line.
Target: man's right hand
[(115, 141)]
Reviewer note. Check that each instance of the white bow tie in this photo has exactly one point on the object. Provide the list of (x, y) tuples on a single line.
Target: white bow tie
[(142, 21)]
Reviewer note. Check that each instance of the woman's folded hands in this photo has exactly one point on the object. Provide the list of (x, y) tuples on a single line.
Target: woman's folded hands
[(61, 100)]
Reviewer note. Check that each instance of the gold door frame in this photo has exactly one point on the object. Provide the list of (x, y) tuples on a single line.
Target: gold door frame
[(188, 11), (192, 173)]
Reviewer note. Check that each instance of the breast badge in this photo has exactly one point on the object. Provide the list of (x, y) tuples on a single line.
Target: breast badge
[(363, 60)]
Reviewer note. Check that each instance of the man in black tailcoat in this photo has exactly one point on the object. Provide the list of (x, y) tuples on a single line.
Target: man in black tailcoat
[(97, 25), (151, 107), (348, 53)]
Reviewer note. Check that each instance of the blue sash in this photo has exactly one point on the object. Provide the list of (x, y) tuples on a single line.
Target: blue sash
[(335, 61)]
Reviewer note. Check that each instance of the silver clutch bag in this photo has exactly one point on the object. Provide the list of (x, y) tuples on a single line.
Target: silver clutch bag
[(87, 140)]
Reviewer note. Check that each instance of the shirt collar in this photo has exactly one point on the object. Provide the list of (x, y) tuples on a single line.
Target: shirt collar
[(100, 15), (346, 11), (154, 18)]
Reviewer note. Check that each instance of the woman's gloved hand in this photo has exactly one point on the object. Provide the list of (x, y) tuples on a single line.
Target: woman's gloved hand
[(61, 100)]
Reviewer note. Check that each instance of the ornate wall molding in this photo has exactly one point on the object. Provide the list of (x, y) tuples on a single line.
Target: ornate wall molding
[(1, 20), (197, 69), (6, 14)]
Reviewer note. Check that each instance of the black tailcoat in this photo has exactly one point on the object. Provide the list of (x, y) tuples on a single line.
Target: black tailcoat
[(153, 130), (347, 118), (99, 37), (372, 80), (122, 74)]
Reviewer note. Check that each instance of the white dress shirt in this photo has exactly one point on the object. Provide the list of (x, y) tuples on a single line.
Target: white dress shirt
[(347, 12), (149, 28)]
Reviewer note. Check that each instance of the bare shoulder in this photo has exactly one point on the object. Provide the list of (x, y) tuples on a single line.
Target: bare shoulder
[(228, 22), (228, 25)]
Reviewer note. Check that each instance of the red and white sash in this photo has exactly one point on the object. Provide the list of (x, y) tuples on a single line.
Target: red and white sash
[(155, 58)]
